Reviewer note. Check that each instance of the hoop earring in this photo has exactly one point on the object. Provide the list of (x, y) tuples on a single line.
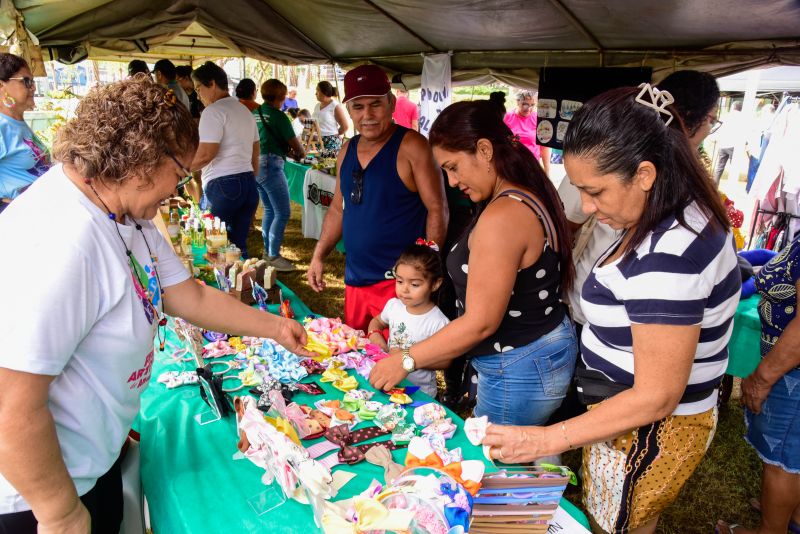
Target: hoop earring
[(9, 101)]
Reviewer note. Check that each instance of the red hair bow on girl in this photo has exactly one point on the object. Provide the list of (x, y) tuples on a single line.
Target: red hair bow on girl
[(425, 242)]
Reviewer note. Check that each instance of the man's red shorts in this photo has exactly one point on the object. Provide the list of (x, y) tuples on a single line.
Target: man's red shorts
[(363, 303)]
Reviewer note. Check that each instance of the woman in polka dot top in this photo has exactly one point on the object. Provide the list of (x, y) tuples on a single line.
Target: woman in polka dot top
[(509, 269)]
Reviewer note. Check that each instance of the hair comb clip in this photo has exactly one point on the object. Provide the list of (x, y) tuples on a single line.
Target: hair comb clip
[(658, 100), (427, 243), (169, 98), (514, 140)]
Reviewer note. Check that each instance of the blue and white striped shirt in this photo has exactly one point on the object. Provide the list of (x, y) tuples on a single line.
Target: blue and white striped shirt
[(673, 277)]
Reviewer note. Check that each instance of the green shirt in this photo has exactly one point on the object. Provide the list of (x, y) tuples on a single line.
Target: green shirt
[(275, 131)]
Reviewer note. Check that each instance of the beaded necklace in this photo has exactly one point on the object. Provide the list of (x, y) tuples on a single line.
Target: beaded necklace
[(137, 272)]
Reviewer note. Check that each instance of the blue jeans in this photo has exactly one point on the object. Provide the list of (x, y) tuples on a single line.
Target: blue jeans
[(523, 386), (274, 192), (775, 432), (234, 199)]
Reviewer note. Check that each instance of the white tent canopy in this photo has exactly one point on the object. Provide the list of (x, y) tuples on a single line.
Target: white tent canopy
[(507, 40)]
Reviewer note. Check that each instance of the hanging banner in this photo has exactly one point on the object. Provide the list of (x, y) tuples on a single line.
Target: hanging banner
[(435, 90)]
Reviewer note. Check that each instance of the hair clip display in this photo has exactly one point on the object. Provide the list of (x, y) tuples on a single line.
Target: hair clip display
[(656, 99)]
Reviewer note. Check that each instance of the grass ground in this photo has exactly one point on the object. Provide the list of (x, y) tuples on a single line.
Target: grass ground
[(728, 476)]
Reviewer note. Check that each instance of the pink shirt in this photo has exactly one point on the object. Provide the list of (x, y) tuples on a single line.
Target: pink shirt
[(525, 128), (405, 111)]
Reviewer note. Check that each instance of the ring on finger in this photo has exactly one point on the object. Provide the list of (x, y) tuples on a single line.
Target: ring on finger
[(499, 455)]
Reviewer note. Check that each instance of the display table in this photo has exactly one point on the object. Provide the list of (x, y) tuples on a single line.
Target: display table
[(295, 174), (192, 482), (744, 351)]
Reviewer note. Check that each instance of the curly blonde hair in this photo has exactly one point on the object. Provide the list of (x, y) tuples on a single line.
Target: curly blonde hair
[(123, 130)]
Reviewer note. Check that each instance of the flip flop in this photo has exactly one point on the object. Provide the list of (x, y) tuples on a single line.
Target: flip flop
[(755, 504)]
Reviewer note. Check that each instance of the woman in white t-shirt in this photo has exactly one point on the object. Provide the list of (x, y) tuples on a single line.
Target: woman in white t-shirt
[(330, 116), (228, 153), (82, 308)]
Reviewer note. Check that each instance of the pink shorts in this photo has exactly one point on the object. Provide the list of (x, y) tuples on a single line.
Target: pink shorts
[(363, 303)]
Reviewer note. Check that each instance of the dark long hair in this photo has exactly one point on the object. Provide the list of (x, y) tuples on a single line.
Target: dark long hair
[(696, 94), (617, 133), (459, 128)]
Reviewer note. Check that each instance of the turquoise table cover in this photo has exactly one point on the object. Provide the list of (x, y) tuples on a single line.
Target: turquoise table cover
[(192, 482)]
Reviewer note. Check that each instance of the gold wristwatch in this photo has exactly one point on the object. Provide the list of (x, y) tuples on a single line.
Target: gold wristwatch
[(408, 362)]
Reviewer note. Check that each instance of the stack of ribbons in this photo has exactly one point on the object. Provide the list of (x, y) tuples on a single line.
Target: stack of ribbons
[(522, 499)]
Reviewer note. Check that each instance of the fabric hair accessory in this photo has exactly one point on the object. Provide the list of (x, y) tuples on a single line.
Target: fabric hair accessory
[(382, 457), (428, 413), (368, 516), (169, 98), (475, 429), (368, 410), (427, 243), (441, 427), (467, 473), (174, 379), (388, 416), (656, 99), (403, 432)]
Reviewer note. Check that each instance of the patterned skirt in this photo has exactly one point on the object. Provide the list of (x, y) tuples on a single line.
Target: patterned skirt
[(332, 143), (630, 480)]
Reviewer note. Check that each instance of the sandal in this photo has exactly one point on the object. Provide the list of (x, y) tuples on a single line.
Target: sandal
[(755, 504)]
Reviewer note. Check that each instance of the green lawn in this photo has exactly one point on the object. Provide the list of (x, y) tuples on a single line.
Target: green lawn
[(720, 488)]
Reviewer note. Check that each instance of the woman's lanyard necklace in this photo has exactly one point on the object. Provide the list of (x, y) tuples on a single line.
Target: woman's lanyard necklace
[(139, 276)]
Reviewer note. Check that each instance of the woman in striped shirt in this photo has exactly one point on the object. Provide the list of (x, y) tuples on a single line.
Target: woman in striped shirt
[(659, 306)]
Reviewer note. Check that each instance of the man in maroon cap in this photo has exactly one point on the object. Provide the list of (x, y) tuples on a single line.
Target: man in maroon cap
[(389, 192)]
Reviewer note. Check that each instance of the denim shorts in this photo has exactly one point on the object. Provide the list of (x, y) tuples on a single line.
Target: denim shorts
[(523, 386), (775, 432)]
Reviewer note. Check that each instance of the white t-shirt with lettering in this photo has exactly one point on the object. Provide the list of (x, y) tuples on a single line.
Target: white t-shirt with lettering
[(230, 124), (70, 309)]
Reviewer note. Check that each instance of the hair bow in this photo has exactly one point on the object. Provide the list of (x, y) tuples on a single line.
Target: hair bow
[(427, 243), (370, 515), (382, 457), (658, 100), (468, 473)]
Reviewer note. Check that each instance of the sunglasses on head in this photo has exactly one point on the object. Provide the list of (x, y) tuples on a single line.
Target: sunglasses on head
[(188, 174), (358, 190), (27, 81)]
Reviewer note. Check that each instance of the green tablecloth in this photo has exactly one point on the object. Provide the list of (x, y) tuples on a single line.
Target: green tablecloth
[(193, 484), (295, 174), (744, 347)]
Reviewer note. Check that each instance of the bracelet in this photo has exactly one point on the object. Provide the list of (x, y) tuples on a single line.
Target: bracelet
[(369, 334), (564, 433)]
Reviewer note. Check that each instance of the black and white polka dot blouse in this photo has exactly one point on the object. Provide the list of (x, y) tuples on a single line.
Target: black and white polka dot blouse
[(535, 307)]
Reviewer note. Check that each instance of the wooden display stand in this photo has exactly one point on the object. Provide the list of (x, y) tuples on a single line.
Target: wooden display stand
[(243, 285), (311, 138)]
